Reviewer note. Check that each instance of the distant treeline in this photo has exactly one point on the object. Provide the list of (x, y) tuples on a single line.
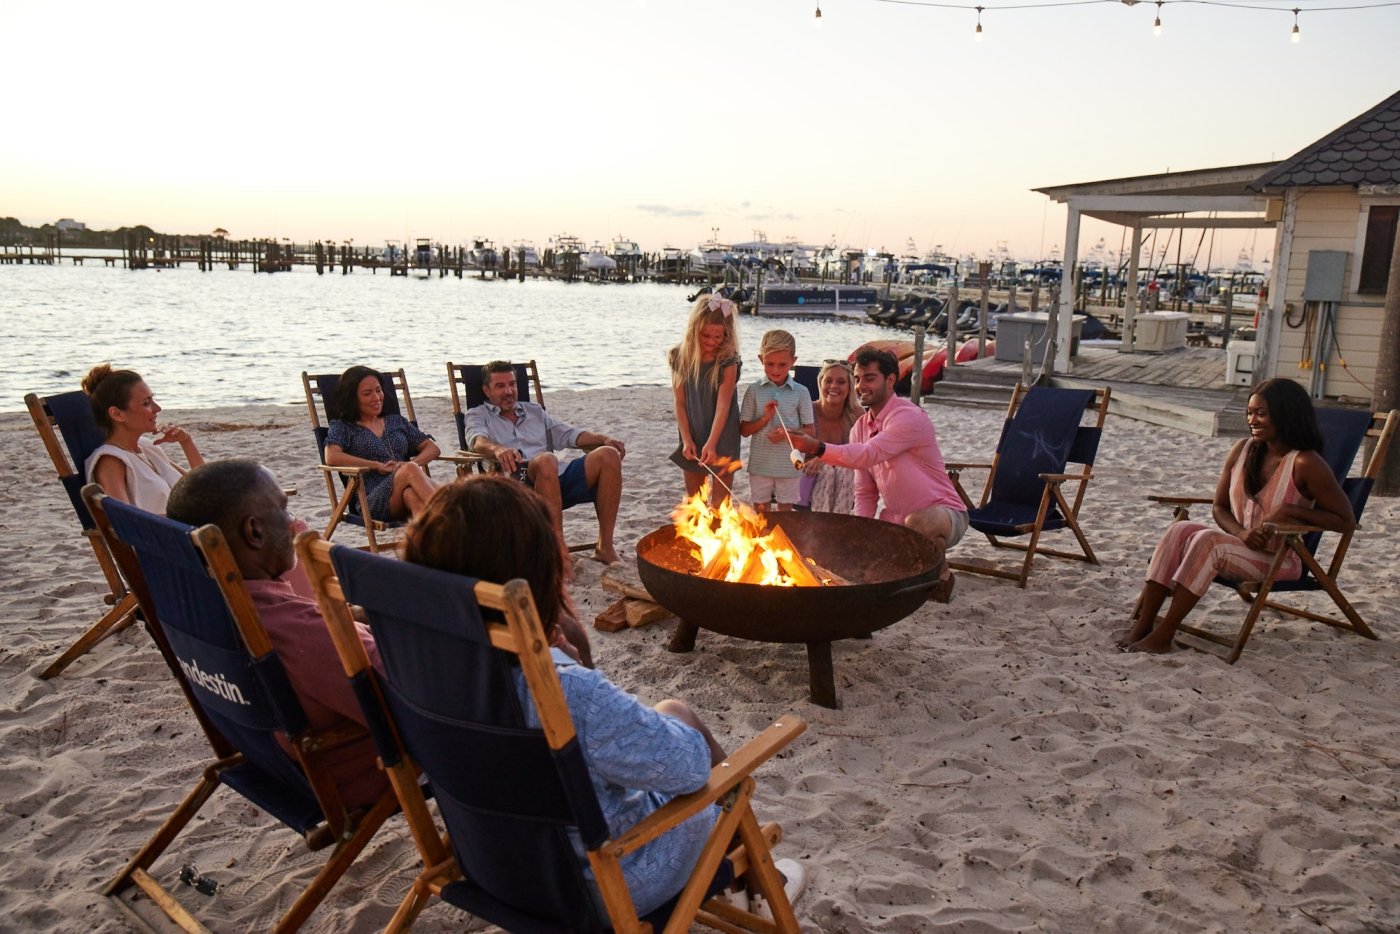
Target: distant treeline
[(14, 233)]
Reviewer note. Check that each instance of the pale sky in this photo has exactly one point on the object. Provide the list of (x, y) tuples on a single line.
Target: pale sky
[(655, 119)]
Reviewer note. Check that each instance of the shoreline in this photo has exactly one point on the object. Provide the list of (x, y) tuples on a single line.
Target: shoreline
[(996, 765)]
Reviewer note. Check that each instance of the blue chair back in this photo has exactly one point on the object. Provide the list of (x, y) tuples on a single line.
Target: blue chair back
[(1042, 437), (72, 412), (807, 376), (1343, 431), (246, 700), (469, 375), (510, 803)]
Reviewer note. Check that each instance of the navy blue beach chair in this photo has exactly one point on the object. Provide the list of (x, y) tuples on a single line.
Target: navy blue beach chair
[(193, 596), (516, 799), (69, 415), (1043, 446), (1344, 431)]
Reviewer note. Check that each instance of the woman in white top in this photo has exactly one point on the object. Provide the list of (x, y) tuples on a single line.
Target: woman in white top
[(130, 465)]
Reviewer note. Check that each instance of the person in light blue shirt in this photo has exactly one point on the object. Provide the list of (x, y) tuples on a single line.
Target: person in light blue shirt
[(779, 400), (639, 757), (521, 436)]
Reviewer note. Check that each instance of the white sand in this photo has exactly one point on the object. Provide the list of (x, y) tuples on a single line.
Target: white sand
[(996, 765)]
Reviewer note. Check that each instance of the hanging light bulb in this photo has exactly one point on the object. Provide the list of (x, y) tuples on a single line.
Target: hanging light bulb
[(978, 35), (1157, 23), (819, 14), (1297, 36)]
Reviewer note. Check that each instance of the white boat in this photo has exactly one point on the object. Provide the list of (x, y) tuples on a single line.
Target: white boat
[(525, 253), (483, 254)]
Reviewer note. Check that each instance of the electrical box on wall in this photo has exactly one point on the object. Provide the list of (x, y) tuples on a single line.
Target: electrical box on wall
[(1326, 276)]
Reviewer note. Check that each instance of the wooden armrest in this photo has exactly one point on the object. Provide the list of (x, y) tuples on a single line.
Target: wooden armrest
[(349, 471), (1062, 477), (723, 778), (462, 458), (967, 466), (1179, 500), (1292, 528)]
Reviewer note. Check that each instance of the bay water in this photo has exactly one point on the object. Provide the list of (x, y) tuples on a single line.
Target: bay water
[(232, 337)]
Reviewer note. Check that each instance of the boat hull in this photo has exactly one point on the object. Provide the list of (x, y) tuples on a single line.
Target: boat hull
[(814, 301)]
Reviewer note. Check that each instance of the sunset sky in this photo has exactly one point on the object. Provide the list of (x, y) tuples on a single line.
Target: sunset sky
[(656, 119)]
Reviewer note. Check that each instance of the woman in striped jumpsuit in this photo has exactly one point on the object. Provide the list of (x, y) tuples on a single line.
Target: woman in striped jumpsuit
[(1274, 476)]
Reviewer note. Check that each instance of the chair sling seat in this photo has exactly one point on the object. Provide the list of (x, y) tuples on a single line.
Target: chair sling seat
[(73, 413), (1041, 438), (247, 700)]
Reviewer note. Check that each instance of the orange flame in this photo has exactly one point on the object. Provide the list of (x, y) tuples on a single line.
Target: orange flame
[(732, 543)]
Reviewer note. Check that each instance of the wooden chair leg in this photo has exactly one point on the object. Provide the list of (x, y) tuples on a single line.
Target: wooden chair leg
[(1358, 625), (116, 619), (336, 866), (169, 830), (1072, 520)]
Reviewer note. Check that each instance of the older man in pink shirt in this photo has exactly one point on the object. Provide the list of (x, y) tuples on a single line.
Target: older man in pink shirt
[(894, 452)]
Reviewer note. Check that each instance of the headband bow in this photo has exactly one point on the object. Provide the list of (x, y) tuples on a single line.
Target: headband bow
[(721, 304)]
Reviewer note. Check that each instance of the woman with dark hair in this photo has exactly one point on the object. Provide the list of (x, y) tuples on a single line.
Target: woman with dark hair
[(130, 465), (1274, 476), (639, 757), (361, 435)]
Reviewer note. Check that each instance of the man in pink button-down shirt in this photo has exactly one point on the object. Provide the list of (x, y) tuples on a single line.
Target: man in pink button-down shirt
[(894, 452)]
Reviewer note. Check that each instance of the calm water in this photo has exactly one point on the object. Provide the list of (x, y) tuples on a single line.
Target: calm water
[(232, 337)]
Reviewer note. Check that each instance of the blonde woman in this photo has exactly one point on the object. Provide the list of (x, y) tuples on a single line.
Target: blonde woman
[(836, 410)]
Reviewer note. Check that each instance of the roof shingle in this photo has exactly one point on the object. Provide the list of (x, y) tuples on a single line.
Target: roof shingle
[(1364, 151)]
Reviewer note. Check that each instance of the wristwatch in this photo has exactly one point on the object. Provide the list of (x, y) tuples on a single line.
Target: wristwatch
[(821, 449)]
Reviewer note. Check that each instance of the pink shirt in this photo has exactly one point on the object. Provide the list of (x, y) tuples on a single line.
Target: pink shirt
[(300, 638), (895, 456)]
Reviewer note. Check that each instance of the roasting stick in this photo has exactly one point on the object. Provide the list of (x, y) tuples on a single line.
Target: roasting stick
[(796, 456), (717, 477)]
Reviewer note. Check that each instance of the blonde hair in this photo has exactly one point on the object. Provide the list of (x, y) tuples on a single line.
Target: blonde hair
[(777, 340), (852, 410), (685, 358)]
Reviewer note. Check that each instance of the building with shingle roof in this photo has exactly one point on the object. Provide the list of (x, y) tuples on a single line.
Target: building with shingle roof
[(1336, 234)]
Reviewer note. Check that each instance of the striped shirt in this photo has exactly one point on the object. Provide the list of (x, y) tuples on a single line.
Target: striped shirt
[(766, 458)]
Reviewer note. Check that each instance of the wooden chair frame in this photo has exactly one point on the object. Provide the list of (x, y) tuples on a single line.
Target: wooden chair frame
[(121, 602), (1053, 493), (1259, 595), (348, 832), (485, 464), (731, 783)]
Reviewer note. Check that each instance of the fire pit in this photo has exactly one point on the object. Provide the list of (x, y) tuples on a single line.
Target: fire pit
[(889, 569)]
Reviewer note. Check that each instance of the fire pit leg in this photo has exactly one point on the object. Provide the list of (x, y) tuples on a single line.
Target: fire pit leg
[(683, 639), (821, 676)]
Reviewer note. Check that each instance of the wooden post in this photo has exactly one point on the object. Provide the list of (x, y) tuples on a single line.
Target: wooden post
[(916, 375)]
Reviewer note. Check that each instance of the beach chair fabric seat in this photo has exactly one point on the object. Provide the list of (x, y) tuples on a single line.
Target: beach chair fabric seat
[(517, 801), (68, 416), (241, 696), (1040, 438)]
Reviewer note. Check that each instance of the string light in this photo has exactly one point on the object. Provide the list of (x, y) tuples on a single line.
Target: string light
[(1262, 5), (819, 10)]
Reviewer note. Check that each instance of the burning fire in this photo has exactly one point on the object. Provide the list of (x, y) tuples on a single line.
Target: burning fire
[(734, 543)]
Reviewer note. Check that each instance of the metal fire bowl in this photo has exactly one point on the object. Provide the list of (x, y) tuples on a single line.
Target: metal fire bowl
[(891, 570)]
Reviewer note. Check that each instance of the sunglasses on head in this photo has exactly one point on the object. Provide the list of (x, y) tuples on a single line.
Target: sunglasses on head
[(841, 363)]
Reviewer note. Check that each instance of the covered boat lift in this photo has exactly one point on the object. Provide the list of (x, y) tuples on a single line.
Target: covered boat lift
[(1195, 199)]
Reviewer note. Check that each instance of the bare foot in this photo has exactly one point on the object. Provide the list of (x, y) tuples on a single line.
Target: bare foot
[(1154, 644), (1134, 633), (605, 556)]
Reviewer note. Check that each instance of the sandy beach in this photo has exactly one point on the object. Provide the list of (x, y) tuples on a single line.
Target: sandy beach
[(996, 765)]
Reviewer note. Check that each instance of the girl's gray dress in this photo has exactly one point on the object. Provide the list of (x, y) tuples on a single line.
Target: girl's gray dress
[(700, 398)]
